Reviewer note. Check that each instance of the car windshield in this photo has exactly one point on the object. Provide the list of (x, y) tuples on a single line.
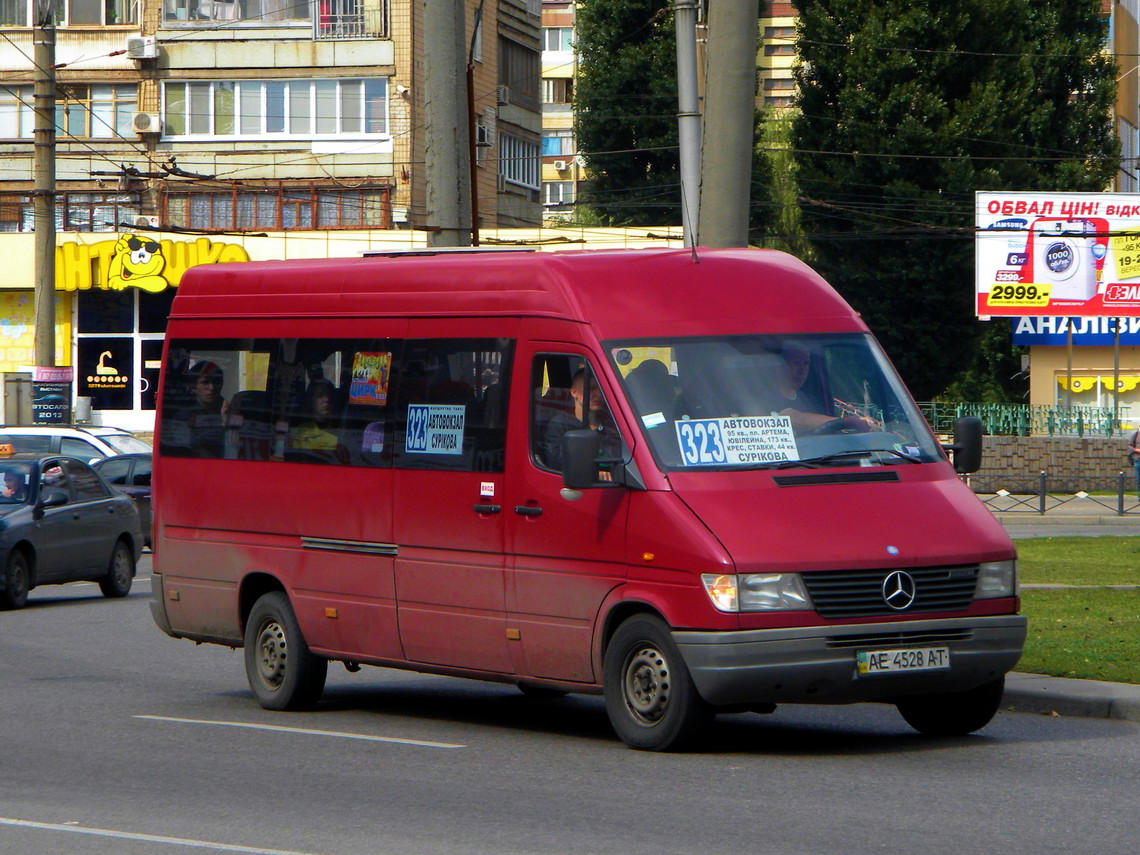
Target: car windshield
[(771, 401), (124, 443), (15, 478)]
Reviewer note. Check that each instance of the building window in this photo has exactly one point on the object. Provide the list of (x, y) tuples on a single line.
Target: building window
[(518, 160), (74, 212), (557, 90), (249, 12), (556, 193), (98, 111), (778, 84), (557, 143), (780, 49), (70, 13), (280, 208), (779, 33), (286, 108), (558, 38), (519, 69)]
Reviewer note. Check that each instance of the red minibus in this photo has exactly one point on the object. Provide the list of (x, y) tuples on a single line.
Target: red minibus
[(687, 480)]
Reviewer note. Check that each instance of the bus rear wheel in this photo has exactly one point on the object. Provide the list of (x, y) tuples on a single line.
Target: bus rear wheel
[(282, 673), (650, 697)]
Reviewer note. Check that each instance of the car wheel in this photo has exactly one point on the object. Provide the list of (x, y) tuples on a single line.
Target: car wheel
[(17, 580), (953, 713), (120, 572), (650, 697), (282, 673)]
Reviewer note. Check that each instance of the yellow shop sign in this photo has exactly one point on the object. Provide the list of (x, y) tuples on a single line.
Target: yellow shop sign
[(137, 261)]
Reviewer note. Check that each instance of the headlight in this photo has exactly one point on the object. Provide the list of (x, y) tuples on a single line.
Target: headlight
[(773, 592), (997, 579), (757, 592)]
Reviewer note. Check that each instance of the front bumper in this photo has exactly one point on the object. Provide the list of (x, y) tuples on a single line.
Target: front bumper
[(816, 665)]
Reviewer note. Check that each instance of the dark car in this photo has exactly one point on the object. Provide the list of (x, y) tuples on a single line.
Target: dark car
[(61, 522), (130, 474)]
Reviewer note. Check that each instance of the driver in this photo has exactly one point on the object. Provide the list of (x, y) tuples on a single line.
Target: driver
[(787, 397)]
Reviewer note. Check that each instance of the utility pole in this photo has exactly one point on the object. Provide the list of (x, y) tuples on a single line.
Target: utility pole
[(688, 117), (730, 109), (446, 120), (43, 196)]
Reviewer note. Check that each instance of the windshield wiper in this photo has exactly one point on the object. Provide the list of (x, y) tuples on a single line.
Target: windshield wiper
[(859, 453)]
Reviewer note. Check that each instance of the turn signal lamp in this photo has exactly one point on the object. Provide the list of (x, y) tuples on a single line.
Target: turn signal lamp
[(721, 590)]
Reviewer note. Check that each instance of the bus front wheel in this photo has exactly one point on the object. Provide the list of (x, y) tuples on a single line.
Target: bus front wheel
[(650, 697), (953, 713), (282, 673)]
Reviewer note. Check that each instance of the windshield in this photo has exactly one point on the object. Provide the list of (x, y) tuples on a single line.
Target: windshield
[(771, 401), (124, 443), (15, 478)]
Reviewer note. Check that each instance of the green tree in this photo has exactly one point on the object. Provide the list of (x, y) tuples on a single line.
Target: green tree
[(907, 107), (626, 110)]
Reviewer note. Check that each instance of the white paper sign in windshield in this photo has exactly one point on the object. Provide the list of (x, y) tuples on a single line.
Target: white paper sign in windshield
[(737, 440)]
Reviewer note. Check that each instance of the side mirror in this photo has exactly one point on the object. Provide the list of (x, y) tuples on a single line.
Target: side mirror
[(580, 458), (967, 447), (53, 498)]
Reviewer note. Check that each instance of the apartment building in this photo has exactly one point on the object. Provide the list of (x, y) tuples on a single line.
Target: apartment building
[(561, 166), (260, 114), (191, 127)]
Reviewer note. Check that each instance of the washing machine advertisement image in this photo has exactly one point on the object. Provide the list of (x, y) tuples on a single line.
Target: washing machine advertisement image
[(1075, 254)]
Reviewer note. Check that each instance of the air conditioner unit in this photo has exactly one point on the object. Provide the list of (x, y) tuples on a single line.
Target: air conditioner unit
[(142, 47), (503, 94), (147, 123), (146, 222), (502, 183), (560, 165)]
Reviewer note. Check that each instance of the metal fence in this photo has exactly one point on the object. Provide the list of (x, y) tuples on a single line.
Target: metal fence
[(1113, 493), (1026, 420)]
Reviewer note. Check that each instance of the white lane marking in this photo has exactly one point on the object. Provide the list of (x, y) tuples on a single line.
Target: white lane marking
[(147, 838), (276, 727)]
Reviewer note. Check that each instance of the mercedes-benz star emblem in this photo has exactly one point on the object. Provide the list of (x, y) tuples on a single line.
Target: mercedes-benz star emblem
[(898, 590)]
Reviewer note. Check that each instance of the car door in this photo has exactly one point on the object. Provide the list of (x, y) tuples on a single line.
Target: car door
[(92, 519), (566, 555), (448, 492)]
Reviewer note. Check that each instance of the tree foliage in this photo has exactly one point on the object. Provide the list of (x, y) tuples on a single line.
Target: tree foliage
[(626, 110), (906, 109)]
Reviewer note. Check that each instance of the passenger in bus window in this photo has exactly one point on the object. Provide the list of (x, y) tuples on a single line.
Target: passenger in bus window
[(206, 417), (310, 433)]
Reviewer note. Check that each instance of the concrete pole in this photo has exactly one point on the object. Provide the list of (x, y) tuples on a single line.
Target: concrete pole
[(447, 170), (730, 105), (688, 117), (43, 196)]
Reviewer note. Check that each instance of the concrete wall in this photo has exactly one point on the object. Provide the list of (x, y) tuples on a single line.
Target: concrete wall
[(1015, 463)]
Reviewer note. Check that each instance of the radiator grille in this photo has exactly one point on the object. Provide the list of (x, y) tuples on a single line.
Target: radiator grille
[(847, 594)]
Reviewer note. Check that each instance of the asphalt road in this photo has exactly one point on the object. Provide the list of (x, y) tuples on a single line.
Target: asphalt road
[(120, 740)]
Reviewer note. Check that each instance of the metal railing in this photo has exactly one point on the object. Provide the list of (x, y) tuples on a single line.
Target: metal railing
[(1111, 493), (1026, 420), (350, 19)]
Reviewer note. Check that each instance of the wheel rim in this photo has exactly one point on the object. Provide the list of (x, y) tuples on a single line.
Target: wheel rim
[(17, 579), (272, 651), (122, 571), (646, 685)]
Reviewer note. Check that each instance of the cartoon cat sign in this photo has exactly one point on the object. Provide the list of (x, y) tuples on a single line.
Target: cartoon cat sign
[(138, 262)]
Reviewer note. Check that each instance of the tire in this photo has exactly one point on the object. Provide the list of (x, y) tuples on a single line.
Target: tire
[(650, 697), (120, 572), (282, 673), (17, 582), (953, 713)]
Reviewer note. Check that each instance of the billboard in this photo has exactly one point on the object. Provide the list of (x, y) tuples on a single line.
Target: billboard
[(1068, 254)]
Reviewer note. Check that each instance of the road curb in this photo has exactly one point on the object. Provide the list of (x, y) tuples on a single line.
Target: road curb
[(1035, 693)]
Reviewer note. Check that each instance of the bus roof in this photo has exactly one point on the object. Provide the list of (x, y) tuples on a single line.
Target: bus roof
[(630, 293)]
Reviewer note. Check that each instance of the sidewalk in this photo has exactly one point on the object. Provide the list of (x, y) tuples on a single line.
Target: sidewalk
[(1034, 693)]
